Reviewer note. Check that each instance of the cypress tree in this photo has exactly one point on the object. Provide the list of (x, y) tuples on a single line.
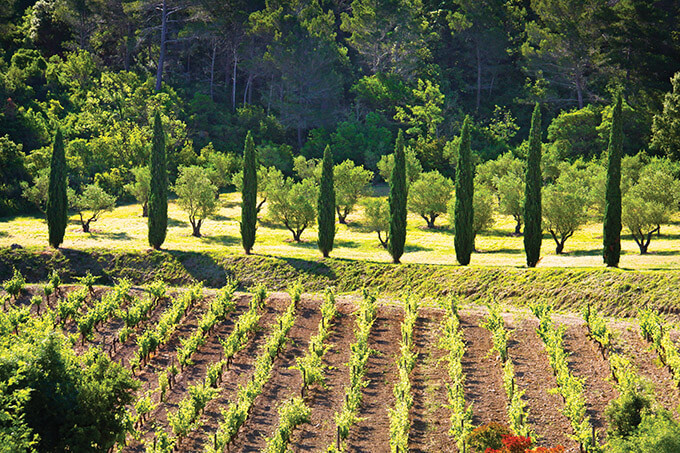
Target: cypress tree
[(398, 194), (158, 194), (612, 210), (326, 204), (533, 233), (57, 202), (464, 239), (249, 195)]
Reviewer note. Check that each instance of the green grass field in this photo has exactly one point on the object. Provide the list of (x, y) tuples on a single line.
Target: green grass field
[(124, 229)]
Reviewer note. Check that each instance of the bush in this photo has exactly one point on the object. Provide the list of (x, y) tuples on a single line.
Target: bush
[(658, 433), (487, 436), (624, 414)]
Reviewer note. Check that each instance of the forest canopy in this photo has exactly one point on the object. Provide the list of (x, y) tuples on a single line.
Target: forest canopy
[(302, 74)]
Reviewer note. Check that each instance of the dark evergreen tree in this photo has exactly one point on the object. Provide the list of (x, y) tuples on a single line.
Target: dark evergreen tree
[(612, 210), (326, 204), (57, 201), (158, 194), (249, 195), (398, 196), (533, 233), (464, 239)]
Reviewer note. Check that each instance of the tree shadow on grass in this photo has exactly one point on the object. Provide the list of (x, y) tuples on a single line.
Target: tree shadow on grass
[(314, 267), (111, 235), (202, 267), (410, 248), (346, 243), (221, 239), (177, 223), (501, 251), (3, 234)]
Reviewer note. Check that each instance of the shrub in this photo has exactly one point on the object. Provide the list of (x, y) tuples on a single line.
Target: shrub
[(488, 436), (624, 414)]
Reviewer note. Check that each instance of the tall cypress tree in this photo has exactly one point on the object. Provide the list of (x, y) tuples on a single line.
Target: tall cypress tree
[(326, 204), (249, 195), (464, 239), (533, 233), (612, 210), (158, 194), (57, 202), (398, 194)]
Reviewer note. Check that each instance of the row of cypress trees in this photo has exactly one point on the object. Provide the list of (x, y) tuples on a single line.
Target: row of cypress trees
[(57, 203)]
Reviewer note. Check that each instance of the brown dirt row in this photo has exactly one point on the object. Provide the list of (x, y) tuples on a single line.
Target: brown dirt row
[(240, 371), (430, 417), (483, 373), (587, 363), (283, 384), (324, 402), (627, 341), (535, 377), (372, 432)]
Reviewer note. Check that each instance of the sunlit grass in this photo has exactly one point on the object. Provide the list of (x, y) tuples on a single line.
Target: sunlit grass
[(125, 229)]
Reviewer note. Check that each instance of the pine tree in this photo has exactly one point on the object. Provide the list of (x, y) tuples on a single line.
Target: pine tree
[(326, 205), (398, 196), (57, 201), (464, 239), (612, 210), (533, 233), (158, 194), (249, 195)]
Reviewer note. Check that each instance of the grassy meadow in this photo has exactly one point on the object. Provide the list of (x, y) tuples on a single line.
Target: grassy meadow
[(125, 229)]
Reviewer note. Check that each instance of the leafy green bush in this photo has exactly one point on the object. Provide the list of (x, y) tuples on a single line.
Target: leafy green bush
[(658, 433), (487, 436), (625, 413)]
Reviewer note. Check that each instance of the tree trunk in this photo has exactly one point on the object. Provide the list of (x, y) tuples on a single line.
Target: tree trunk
[(560, 247), (212, 71), (86, 227), (479, 76), (233, 82), (145, 209), (342, 216), (161, 55), (518, 228), (196, 227), (245, 90), (430, 221), (579, 90), (383, 242)]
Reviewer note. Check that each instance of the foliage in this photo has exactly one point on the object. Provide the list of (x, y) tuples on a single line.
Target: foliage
[(350, 182), (533, 233), (486, 436), (565, 208), (293, 205), (141, 187), (658, 432), (666, 127), (429, 195), (57, 202), (91, 204), (158, 195), (624, 414), (397, 200), (326, 205), (15, 285), (612, 211), (464, 239), (291, 414), (413, 166), (196, 195), (377, 218)]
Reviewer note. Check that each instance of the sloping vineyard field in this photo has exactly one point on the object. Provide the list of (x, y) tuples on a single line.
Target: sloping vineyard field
[(227, 371)]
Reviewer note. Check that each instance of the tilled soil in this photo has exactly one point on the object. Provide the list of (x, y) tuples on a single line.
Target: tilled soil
[(430, 418), (535, 377), (372, 433), (483, 373), (627, 341), (586, 362), (325, 402), (284, 383)]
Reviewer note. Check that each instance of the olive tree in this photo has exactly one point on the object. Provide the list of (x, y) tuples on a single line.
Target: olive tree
[(141, 187), (351, 182), (377, 218), (650, 202), (413, 166), (91, 204), (293, 204), (36, 192), (565, 206), (267, 178), (196, 195), (429, 195), (510, 189)]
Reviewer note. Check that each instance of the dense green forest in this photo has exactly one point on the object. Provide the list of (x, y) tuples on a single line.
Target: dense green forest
[(302, 74)]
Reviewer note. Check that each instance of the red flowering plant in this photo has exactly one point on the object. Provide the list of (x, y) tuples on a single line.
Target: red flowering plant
[(513, 444)]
